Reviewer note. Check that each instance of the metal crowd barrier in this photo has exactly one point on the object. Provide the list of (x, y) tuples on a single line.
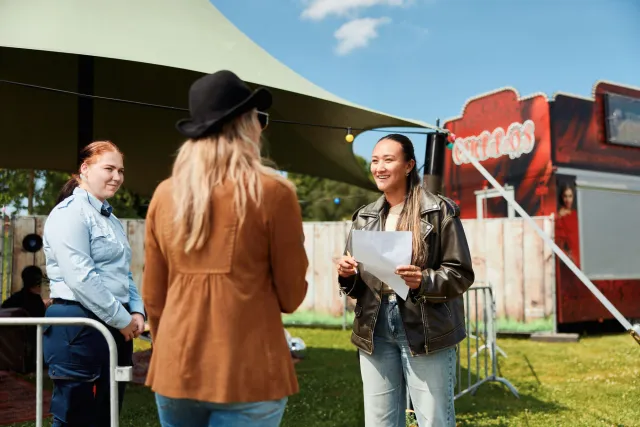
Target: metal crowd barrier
[(474, 315), (116, 373)]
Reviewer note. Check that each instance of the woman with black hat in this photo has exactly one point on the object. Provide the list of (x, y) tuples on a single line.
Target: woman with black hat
[(224, 257)]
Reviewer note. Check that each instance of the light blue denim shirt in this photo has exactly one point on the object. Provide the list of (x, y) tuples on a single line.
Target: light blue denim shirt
[(88, 259)]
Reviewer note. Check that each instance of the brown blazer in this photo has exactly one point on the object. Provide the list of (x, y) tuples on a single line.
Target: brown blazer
[(215, 315)]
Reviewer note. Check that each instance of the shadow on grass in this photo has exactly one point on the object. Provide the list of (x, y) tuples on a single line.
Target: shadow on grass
[(494, 401), (330, 390), (331, 396)]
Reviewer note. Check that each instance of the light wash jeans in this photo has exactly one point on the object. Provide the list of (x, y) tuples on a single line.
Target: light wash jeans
[(391, 370), (194, 413)]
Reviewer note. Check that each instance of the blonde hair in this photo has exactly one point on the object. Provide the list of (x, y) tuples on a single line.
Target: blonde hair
[(232, 154)]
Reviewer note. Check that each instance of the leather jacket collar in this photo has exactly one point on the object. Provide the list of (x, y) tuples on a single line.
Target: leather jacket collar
[(428, 203), (433, 315)]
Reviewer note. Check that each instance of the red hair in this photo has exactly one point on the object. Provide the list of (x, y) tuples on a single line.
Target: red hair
[(88, 155)]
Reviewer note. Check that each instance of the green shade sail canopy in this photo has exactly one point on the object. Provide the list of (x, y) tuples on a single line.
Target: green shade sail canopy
[(149, 52)]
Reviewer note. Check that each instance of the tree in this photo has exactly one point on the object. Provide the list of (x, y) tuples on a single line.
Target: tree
[(36, 193), (126, 204), (18, 189), (51, 186), (327, 200)]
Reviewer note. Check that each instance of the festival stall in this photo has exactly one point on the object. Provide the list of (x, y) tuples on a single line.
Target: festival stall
[(571, 157)]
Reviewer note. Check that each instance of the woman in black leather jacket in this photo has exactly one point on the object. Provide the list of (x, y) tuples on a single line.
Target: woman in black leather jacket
[(409, 345)]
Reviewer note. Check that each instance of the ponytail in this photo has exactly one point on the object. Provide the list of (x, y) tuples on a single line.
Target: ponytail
[(67, 188), (88, 155)]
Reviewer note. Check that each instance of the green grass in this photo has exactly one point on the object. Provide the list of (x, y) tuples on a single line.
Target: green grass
[(308, 318), (589, 383), (511, 325)]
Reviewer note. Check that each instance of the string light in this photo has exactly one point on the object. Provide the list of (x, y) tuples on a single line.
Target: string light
[(451, 139), (349, 137)]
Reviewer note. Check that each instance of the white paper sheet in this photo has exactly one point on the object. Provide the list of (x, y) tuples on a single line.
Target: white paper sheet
[(381, 252)]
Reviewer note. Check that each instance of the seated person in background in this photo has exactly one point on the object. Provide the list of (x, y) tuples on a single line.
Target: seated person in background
[(29, 297)]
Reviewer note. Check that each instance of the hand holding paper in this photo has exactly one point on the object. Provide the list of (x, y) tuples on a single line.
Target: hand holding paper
[(381, 252), (411, 274), (347, 266)]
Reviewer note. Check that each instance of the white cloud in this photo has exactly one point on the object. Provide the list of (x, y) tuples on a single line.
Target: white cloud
[(319, 9), (357, 33)]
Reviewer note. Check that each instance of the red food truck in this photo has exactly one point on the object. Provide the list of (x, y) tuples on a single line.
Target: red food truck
[(573, 157)]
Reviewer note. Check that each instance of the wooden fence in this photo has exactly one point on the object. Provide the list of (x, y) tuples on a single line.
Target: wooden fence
[(508, 254)]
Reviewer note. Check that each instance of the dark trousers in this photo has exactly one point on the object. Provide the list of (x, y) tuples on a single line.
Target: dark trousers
[(78, 359)]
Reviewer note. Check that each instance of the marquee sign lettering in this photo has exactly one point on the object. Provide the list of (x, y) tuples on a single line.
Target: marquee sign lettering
[(519, 139)]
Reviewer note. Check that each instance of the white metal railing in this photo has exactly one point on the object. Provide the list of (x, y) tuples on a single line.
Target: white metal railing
[(116, 373)]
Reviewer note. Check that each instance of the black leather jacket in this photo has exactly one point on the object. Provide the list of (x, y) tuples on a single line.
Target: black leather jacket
[(433, 315)]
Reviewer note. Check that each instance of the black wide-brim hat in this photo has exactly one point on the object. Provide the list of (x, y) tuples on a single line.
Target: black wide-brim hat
[(216, 99)]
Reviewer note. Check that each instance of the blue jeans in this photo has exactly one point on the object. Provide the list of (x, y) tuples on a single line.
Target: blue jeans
[(194, 413), (78, 360), (391, 370)]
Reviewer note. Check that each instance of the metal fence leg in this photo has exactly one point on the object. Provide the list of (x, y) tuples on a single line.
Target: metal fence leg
[(488, 350), (496, 378), (489, 337), (488, 340), (486, 346), (494, 374), (39, 381)]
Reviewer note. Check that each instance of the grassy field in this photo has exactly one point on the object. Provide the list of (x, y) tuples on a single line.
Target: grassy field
[(589, 383), (305, 318)]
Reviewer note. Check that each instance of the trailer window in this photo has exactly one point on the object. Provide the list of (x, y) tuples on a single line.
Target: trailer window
[(623, 119), (609, 223)]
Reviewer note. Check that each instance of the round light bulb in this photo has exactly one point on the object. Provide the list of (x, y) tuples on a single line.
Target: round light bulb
[(349, 138)]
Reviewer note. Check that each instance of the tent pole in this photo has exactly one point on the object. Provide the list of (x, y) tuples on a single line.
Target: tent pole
[(434, 161), (85, 104)]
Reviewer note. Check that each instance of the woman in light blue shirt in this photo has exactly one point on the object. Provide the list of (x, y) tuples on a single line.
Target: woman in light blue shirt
[(88, 259)]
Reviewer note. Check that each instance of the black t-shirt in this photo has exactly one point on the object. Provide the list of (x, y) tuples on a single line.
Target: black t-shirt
[(29, 301)]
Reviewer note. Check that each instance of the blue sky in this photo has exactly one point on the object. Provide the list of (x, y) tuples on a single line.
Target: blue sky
[(422, 59)]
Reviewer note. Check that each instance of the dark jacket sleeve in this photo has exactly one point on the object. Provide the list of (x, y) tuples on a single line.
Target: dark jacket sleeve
[(14, 301), (455, 274), (351, 286)]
